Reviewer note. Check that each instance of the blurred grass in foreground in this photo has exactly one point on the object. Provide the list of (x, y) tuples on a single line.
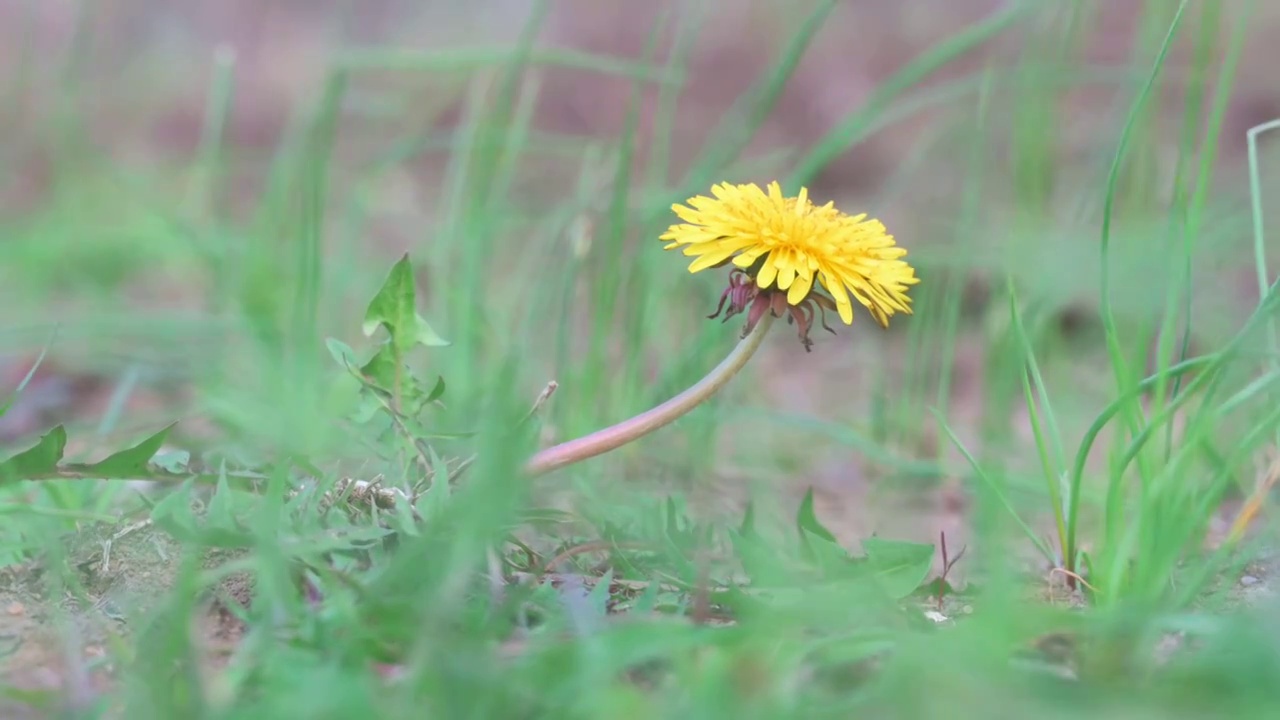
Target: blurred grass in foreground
[(376, 612)]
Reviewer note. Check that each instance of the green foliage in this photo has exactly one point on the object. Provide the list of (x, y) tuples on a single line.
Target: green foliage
[(395, 308), (405, 568), (391, 397), (44, 461), (1160, 493), (134, 462), (898, 567), (40, 460)]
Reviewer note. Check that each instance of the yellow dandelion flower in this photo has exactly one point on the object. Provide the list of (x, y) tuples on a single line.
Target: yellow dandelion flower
[(782, 245)]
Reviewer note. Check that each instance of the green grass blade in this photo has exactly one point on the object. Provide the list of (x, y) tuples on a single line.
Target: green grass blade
[(1259, 234), (995, 488), (750, 112), (1049, 450), (1115, 407), (468, 59), (1116, 354), (855, 126)]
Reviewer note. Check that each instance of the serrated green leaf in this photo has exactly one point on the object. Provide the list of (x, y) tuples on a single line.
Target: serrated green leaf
[(382, 370), (899, 567), (384, 374), (174, 462), (222, 529), (343, 395), (648, 600), (367, 408), (40, 460), (808, 521), (436, 392), (439, 471), (598, 598), (361, 538), (132, 463), (173, 514), (405, 521), (270, 510), (434, 503), (830, 557), (395, 308), (759, 560), (342, 353), (423, 333), (221, 512)]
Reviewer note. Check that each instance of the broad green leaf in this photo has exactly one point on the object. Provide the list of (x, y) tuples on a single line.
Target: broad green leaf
[(384, 373), (900, 567), (395, 308), (132, 463), (37, 461)]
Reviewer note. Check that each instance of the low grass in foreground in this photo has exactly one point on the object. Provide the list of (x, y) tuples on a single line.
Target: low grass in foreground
[(354, 531)]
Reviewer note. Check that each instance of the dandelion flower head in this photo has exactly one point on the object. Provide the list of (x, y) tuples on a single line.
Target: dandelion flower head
[(785, 248)]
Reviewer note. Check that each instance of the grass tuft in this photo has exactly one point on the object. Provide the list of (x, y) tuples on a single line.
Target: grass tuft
[(267, 411)]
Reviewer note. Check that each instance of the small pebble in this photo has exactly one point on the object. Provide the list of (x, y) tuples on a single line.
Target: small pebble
[(1248, 580), (15, 609)]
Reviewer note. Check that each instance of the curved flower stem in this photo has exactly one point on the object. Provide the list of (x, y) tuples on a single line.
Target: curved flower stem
[(615, 436)]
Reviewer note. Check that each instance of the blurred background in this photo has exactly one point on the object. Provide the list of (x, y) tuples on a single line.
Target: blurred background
[(194, 195)]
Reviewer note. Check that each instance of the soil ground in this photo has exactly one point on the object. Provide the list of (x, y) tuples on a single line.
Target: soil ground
[(56, 645)]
